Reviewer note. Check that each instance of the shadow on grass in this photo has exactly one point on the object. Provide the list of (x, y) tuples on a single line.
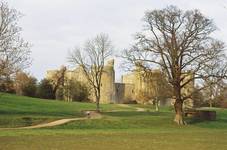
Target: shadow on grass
[(133, 113), (219, 123)]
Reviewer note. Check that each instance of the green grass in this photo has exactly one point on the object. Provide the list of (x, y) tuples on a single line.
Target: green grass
[(119, 141), (125, 129), (16, 111)]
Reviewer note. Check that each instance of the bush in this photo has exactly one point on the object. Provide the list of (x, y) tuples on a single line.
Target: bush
[(7, 85), (76, 91), (25, 84), (60, 93), (31, 88), (45, 90)]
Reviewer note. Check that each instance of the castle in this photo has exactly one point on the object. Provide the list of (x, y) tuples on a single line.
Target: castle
[(136, 86)]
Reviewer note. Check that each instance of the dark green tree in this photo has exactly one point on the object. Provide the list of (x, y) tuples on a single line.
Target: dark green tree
[(45, 90)]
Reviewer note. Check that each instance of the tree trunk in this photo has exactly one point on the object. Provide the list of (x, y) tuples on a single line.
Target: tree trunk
[(179, 116), (97, 102), (210, 103), (210, 100), (97, 106), (178, 105), (156, 104)]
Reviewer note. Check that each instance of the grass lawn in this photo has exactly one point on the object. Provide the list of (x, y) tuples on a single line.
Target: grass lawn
[(122, 130), (16, 111)]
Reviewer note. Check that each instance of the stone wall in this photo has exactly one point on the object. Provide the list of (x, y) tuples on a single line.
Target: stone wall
[(188, 89), (124, 93), (137, 85), (144, 84), (107, 81)]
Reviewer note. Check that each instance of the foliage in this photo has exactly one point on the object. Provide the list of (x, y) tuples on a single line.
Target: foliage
[(25, 84), (7, 85), (76, 91), (181, 44), (45, 90), (57, 82), (31, 88)]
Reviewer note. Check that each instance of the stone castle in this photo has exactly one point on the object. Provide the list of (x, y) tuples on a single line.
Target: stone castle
[(136, 86)]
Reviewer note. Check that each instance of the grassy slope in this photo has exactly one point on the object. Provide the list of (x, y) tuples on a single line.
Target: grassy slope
[(126, 130), (22, 111)]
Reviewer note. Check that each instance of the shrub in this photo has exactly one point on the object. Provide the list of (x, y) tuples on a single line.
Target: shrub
[(25, 84), (31, 88), (76, 91), (45, 90)]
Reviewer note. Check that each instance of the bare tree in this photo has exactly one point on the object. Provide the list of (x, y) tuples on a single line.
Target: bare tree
[(14, 51), (91, 59), (180, 43), (57, 80), (212, 86), (213, 90), (162, 90)]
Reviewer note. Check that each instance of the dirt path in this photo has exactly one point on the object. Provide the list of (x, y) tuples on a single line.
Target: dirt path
[(92, 115), (140, 109), (128, 106), (51, 124)]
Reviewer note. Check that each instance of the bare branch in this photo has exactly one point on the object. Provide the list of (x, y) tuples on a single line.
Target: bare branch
[(91, 60), (14, 51), (179, 43)]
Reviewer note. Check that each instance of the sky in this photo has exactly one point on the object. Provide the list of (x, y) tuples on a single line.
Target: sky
[(55, 27)]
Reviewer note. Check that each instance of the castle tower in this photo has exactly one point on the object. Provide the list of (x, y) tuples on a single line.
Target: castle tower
[(107, 83)]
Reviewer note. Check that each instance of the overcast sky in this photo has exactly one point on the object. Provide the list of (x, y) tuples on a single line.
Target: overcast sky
[(56, 26)]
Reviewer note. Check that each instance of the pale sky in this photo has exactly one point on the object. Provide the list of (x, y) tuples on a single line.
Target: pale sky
[(54, 27)]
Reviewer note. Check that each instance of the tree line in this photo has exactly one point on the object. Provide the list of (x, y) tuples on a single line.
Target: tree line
[(26, 85)]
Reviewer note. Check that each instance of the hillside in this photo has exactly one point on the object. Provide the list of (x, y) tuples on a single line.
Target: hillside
[(18, 111)]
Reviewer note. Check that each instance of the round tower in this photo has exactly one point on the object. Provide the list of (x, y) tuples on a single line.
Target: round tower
[(107, 83)]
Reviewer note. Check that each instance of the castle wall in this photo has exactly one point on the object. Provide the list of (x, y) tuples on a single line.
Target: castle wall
[(124, 93), (144, 84), (50, 74), (128, 78), (138, 85), (188, 89), (107, 81)]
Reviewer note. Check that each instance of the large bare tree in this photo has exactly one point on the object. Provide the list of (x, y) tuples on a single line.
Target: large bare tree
[(14, 51), (91, 59), (180, 43)]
